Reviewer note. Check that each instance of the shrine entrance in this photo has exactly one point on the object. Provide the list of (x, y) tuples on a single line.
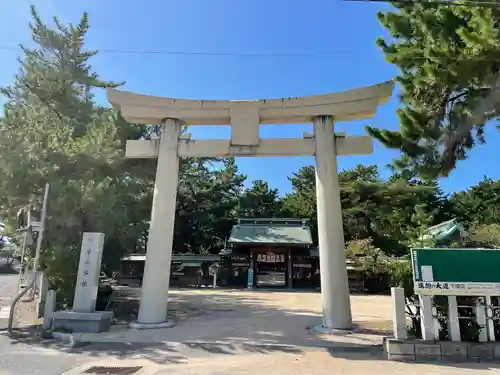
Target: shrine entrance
[(244, 117), (271, 270)]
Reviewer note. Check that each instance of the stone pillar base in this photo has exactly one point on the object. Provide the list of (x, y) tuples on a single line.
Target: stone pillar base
[(166, 324), (332, 331)]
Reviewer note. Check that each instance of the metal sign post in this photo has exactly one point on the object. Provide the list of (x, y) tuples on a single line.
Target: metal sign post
[(23, 226), (213, 271), (250, 278)]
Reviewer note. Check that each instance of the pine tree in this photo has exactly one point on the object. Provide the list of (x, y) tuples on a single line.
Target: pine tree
[(449, 60), (259, 201), (53, 131), (207, 200), (57, 72), (479, 204), (372, 208)]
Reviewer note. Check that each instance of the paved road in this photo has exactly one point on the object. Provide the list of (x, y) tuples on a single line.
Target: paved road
[(21, 356), (8, 287), (8, 284), (25, 358), (18, 359)]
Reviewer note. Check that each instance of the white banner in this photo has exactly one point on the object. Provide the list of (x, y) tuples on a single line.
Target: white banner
[(457, 289)]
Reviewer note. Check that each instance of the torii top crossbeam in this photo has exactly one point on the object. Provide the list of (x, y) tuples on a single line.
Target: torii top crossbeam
[(356, 104)]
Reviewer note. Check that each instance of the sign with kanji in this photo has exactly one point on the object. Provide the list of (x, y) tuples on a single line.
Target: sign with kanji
[(456, 272), (271, 258), (35, 226)]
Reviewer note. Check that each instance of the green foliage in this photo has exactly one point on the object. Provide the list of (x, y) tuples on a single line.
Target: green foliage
[(383, 210), (487, 233), (401, 276), (448, 74), (481, 236), (207, 203), (372, 260), (480, 204), (358, 248), (260, 201)]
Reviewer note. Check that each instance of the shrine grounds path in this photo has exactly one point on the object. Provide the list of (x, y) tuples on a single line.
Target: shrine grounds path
[(266, 317)]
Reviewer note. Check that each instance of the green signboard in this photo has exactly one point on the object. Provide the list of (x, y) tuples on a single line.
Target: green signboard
[(456, 272)]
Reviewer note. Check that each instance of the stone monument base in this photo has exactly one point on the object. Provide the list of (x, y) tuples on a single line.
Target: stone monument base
[(98, 321)]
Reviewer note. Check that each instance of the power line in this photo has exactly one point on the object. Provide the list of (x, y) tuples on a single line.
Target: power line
[(242, 54), (215, 54)]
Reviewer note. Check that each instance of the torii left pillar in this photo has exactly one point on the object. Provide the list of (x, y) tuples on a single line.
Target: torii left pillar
[(156, 281)]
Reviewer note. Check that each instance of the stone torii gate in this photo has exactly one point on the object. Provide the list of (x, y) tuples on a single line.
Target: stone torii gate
[(244, 117)]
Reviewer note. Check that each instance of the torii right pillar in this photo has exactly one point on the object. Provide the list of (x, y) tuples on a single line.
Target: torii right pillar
[(334, 282)]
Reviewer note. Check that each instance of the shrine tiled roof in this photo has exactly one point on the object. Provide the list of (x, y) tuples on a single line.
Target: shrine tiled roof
[(271, 231), (443, 232)]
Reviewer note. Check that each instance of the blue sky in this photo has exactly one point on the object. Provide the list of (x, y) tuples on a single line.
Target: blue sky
[(335, 38)]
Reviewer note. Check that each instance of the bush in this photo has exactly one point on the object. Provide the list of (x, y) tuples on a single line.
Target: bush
[(372, 260), (481, 236), (61, 268), (401, 276)]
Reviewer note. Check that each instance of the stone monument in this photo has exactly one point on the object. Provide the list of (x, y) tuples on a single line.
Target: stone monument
[(89, 269), (83, 317)]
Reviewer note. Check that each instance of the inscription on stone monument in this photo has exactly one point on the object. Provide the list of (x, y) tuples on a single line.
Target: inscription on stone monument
[(89, 269)]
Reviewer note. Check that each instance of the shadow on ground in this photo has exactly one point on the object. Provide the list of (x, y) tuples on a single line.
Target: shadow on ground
[(219, 324), (227, 323), (181, 353), (160, 352), (294, 308)]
